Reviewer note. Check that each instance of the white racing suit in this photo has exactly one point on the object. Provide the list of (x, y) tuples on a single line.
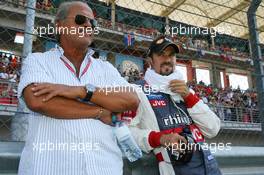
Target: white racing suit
[(157, 114)]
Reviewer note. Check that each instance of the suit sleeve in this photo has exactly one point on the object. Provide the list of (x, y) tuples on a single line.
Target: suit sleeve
[(113, 72), (147, 139), (207, 121)]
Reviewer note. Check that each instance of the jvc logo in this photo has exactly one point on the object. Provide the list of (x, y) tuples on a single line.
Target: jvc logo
[(157, 103)]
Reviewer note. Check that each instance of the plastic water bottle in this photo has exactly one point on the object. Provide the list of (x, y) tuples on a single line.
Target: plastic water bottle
[(126, 142)]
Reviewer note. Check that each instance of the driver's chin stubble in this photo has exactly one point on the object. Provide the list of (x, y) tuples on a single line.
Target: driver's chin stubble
[(166, 72)]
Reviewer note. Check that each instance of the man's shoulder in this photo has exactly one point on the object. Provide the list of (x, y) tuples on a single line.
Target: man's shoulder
[(42, 55), (103, 64), (100, 61)]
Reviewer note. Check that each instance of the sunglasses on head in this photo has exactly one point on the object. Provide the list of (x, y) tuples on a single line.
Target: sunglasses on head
[(81, 19)]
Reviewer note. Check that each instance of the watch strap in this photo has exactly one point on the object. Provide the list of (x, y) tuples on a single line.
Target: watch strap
[(88, 96)]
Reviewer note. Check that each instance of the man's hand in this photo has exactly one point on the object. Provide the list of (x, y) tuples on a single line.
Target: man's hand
[(172, 140), (52, 90), (105, 116), (180, 87)]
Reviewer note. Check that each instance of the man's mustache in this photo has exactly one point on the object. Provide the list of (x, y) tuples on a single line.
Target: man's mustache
[(166, 64)]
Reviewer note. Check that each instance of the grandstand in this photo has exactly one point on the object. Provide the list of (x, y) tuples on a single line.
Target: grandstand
[(217, 65)]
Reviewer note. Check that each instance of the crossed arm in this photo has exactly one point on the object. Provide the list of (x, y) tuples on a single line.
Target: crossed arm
[(61, 101)]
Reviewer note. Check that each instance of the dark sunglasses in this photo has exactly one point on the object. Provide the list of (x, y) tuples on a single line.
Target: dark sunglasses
[(81, 19)]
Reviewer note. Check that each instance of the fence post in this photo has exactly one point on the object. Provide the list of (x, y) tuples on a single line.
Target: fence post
[(30, 18), (27, 49), (256, 56)]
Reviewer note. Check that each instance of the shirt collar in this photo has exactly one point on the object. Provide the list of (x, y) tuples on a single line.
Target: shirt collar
[(85, 64), (89, 53)]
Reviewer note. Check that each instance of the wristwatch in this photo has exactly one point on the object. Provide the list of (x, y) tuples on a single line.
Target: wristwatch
[(90, 89)]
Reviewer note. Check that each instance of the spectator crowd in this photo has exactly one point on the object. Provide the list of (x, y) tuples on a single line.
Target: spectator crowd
[(9, 76), (230, 104), (9, 65)]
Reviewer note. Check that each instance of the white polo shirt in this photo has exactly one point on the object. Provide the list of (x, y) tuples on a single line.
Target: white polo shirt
[(68, 147)]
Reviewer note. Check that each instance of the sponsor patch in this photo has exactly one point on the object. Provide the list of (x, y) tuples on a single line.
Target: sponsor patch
[(196, 133), (157, 103)]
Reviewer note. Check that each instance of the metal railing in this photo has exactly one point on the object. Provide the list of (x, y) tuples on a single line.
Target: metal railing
[(236, 114)]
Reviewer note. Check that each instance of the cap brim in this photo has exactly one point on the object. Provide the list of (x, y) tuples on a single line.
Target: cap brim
[(157, 46)]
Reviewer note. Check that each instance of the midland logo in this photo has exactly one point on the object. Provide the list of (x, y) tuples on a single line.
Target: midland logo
[(176, 119)]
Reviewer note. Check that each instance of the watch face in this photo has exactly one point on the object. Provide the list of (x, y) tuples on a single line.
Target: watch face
[(90, 87)]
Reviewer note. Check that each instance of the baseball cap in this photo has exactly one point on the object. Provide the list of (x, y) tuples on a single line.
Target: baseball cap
[(159, 44)]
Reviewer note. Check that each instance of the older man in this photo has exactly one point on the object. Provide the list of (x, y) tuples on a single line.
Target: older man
[(70, 112)]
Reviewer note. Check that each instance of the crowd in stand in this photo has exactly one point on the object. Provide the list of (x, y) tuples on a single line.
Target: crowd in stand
[(43, 5), (227, 96), (224, 50), (229, 104), (9, 65), (9, 76)]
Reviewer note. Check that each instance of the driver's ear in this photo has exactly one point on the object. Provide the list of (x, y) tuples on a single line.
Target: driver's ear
[(150, 62)]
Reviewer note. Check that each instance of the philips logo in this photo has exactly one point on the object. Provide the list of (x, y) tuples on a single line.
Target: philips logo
[(176, 119)]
